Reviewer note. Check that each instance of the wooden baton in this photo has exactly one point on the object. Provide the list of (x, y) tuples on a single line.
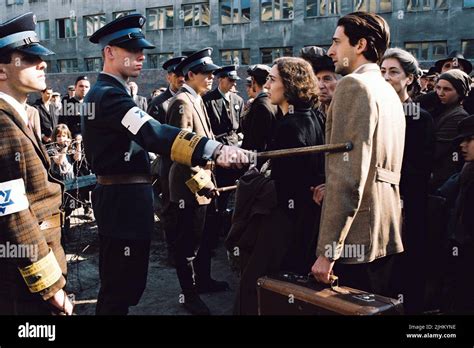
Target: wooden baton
[(299, 151)]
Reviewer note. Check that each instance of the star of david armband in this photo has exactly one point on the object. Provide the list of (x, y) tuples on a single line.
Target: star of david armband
[(13, 197), (42, 274), (134, 119), (183, 147), (198, 181)]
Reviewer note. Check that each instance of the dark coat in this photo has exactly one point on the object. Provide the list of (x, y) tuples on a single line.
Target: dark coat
[(258, 124), (159, 106), (225, 123), (71, 116), (416, 170), (48, 117), (445, 130), (293, 178)]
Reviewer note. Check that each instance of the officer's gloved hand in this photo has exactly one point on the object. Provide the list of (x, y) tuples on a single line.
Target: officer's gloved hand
[(231, 157)]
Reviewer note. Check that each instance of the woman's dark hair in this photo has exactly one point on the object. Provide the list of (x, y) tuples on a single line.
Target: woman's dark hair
[(298, 80), (408, 63), (60, 128), (369, 26)]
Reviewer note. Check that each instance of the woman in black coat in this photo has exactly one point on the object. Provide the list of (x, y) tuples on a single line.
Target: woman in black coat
[(401, 70), (291, 85)]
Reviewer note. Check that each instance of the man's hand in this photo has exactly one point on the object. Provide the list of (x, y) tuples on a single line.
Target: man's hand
[(322, 269), (209, 192), (318, 193), (231, 157), (61, 302)]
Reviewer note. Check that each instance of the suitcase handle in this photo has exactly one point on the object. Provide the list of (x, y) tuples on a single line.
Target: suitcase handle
[(333, 278)]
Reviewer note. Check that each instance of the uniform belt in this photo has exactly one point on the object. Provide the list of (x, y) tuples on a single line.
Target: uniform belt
[(51, 222), (123, 179)]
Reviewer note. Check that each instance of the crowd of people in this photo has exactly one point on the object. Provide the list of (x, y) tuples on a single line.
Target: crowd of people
[(393, 216)]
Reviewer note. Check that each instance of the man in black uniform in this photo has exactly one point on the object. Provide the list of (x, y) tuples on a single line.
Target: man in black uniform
[(117, 138), (71, 111), (159, 105), (225, 110), (158, 109), (258, 123)]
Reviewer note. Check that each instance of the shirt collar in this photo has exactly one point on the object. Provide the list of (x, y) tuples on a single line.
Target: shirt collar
[(21, 109), (192, 91), (171, 91), (119, 79), (225, 95)]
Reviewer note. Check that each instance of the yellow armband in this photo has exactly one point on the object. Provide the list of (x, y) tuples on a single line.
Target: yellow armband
[(184, 146), (198, 181), (42, 274)]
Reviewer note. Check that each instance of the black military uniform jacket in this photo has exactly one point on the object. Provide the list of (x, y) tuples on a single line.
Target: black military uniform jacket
[(71, 115), (118, 135), (258, 124), (225, 120), (159, 106)]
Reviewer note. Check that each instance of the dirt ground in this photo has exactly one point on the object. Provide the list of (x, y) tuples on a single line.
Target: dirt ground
[(161, 296)]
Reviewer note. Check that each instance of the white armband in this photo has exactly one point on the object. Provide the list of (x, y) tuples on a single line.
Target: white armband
[(134, 119), (13, 197)]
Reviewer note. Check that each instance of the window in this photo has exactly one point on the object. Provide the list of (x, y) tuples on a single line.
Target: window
[(373, 5), (14, 2), (468, 49), (196, 15), (275, 10), (426, 5), (235, 11), (468, 3), (67, 66), (236, 57), (155, 61), (122, 13), (160, 18), (93, 64), (93, 23), (316, 8), (66, 28), (268, 55), (42, 29), (433, 50)]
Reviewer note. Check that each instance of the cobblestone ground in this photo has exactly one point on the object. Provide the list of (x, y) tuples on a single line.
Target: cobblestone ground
[(161, 296)]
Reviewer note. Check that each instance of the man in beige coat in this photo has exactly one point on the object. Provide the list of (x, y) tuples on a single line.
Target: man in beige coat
[(361, 219), (191, 189)]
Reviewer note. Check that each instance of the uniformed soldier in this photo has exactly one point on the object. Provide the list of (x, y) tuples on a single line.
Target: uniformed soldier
[(159, 105), (157, 109), (193, 259), (117, 138), (225, 109), (32, 279)]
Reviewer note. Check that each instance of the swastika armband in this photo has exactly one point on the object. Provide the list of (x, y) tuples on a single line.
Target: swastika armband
[(184, 146), (42, 274), (13, 197), (134, 119), (198, 181)]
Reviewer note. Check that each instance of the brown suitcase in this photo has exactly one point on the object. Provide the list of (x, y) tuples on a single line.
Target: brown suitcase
[(291, 294)]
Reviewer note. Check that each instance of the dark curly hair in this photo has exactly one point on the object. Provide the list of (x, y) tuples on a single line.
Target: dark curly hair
[(298, 79), (369, 26)]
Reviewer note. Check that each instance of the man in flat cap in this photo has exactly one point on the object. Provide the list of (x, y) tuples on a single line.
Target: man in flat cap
[(32, 281), (117, 139), (157, 109), (192, 189), (258, 122), (326, 76), (71, 109)]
